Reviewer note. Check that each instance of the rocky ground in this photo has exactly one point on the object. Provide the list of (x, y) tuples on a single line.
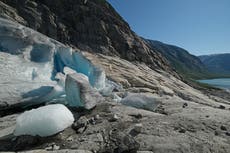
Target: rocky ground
[(185, 121)]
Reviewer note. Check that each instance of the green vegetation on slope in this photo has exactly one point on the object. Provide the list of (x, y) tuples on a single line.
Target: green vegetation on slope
[(189, 66), (217, 64)]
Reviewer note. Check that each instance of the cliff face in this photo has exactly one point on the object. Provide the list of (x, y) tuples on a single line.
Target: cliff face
[(88, 25)]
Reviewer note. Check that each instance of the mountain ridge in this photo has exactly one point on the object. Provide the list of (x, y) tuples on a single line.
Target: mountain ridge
[(217, 63), (181, 60)]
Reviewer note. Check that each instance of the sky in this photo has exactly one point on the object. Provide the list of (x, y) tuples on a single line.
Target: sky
[(199, 26)]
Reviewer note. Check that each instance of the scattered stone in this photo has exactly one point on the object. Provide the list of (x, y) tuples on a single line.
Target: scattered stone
[(227, 133), (56, 147), (176, 128), (222, 127), (161, 110), (222, 107), (207, 116), (124, 143), (80, 125), (70, 138), (49, 148), (137, 116), (216, 133), (52, 146), (97, 117), (138, 128), (185, 105), (114, 118), (182, 131), (92, 121)]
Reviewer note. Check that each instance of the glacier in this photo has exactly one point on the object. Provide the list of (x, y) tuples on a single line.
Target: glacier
[(44, 121), (34, 67)]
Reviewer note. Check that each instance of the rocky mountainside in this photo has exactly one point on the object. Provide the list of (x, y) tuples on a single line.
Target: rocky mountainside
[(119, 104), (88, 25), (185, 63), (218, 63)]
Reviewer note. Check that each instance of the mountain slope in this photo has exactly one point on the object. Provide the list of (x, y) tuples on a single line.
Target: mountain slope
[(218, 63), (184, 63), (186, 120), (88, 25)]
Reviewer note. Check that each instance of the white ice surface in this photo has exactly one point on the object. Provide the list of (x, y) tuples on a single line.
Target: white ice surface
[(17, 78), (44, 121)]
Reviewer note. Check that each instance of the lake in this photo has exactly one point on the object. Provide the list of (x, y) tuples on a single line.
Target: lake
[(223, 83)]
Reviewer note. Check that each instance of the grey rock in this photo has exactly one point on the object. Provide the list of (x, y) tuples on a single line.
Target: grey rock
[(97, 117), (123, 143), (227, 133), (55, 147), (113, 118), (81, 124), (222, 107), (138, 128), (70, 138), (222, 127), (185, 105)]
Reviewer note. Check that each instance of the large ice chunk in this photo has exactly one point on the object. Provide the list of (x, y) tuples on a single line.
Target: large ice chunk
[(140, 101), (79, 93), (66, 57), (44, 121)]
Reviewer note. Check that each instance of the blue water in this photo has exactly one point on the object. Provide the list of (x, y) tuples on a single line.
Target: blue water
[(220, 83)]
